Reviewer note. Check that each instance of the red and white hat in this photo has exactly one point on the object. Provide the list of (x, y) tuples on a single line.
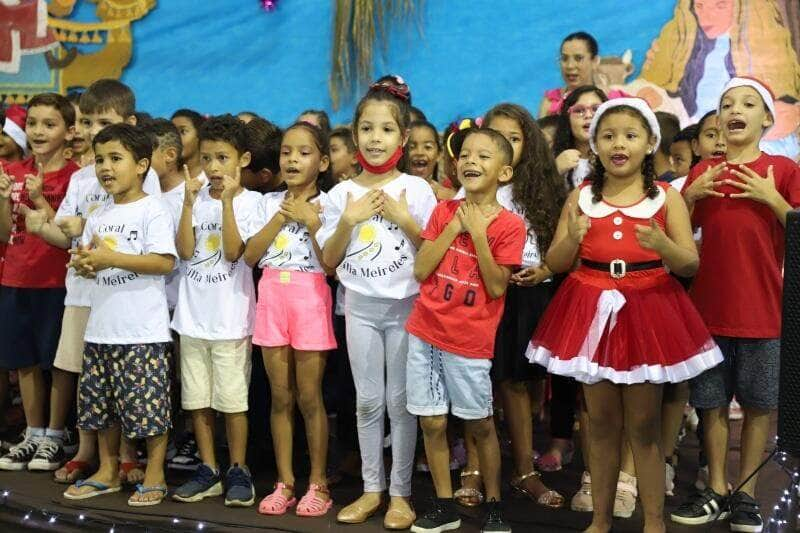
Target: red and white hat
[(759, 86), (14, 126), (638, 104)]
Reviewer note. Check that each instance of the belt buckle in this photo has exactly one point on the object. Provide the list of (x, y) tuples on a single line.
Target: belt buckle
[(618, 268)]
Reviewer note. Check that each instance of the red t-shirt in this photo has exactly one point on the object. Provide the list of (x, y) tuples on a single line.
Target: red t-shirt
[(30, 262), (738, 287), (454, 312)]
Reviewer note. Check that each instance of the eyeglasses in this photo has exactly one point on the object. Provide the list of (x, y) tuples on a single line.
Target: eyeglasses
[(582, 110)]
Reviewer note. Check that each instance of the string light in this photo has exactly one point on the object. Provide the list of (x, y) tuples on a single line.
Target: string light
[(200, 526), (27, 516), (175, 521), (81, 517), (52, 520)]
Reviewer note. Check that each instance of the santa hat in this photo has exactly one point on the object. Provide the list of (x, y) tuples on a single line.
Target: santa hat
[(759, 86), (638, 104), (14, 126)]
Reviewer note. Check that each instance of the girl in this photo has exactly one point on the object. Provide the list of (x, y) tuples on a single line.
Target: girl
[(188, 123), (571, 144), (318, 118), (423, 156), (343, 154), (294, 341), (609, 324), (536, 194), (13, 141), (371, 233), (709, 141)]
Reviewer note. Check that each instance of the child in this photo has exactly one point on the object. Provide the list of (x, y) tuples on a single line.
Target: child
[(423, 157), (264, 143), (81, 147), (32, 281), (13, 141), (469, 251), (188, 123), (294, 314), (371, 233), (548, 124), (128, 248), (681, 156), (215, 309), (709, 141), (605, 327), (343, 154), (571, 144), (752, 192), (669, 126), (318, 118)]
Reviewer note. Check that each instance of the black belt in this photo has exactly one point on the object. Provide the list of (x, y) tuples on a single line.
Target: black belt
[(618, 268)]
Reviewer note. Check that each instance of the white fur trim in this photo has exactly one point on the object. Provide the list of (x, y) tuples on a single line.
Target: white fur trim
[(41, 19), (759, 87), (645, 209), (13, 130), (637, 103), (12, 65)]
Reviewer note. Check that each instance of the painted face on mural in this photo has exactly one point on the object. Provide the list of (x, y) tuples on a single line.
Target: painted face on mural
[(743, 116), (577, 64), (378, 134), (715, 17)]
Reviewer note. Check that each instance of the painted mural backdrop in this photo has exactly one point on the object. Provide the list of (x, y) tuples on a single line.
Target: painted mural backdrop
[(458, 57)]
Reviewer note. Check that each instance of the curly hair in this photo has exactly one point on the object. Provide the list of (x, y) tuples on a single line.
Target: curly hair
[(598, 177), (536, 186)]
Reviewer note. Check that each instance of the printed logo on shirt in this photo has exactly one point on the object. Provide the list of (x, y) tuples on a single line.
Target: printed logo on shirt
[(207, 255), (282, 250), (368, 247)]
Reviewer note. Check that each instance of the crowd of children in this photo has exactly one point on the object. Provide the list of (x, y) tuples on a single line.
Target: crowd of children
[(438, 276)]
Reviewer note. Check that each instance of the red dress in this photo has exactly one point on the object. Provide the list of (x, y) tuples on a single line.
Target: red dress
[(640, 327)]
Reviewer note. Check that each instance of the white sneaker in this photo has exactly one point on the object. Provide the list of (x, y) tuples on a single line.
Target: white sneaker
[(702, 478), (670, 479), (582, 501), (625, 499)]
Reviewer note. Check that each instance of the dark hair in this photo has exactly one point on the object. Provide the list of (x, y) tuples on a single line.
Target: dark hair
[(702, 120), (688, 134), (225, 128), (164, 134), (322, 117), (251, 113), (669, 126), (133, 139), (426, 125), (264, 145), (196, 118), (324, 178), (787, 99), (536, 185), (346, 135), (106, 94), (648, 165), (60, 103), (549, 121), (416, 114), (74, 97), (506, 151), (564, 140), (143, 118), (399, 106), (591, 42)]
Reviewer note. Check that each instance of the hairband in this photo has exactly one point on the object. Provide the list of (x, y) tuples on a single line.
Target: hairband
[(400, 91)]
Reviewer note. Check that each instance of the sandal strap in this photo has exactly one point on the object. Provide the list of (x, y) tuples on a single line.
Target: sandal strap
[(468, 473), (280, 485), (319, 488), (519, 479)]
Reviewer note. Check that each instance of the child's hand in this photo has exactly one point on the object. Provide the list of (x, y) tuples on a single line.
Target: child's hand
[(652, 237), (76, 262), (395, 210), (97, 257), (356, 211), (34, 184), (705, 185), (754, 186), (35, 219), (231, 185), (455, 224), (191, 187), (71, 226), (5, 185), (302, 212), (474, 220), (578, 224), (567, 160), (528, 277)]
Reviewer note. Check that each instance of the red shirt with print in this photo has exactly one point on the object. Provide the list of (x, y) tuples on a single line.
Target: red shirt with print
[(739, 283), (454, 312), (29, 261)]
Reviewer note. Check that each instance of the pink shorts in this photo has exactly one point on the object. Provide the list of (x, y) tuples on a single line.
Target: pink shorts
[(294, 308)]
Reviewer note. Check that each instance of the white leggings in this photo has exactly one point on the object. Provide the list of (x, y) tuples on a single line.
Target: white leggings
[(378, 345)]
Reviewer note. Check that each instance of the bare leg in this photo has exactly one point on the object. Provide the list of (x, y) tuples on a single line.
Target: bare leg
[(34, 395), (434, 432), (755, 433), (280, 369), (489, 453), (107, 473), (154, 475), (310, 368), (675, 398), (204, 435), (236, 432), (715, 427), (62, 396)]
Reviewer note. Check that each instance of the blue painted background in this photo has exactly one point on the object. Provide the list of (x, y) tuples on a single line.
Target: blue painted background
[(225, 56)]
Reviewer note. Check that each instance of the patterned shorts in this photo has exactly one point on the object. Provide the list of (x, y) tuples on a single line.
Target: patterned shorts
[(126, 383)]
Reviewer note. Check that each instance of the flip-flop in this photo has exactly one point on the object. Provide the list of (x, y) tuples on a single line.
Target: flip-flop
[(141, 489), (81, 467), (100, 489)]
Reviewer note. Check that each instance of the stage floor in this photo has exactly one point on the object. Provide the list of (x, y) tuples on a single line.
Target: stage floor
[(34, 495)]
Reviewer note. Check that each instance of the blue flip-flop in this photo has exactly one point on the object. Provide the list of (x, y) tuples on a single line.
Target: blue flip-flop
[(99, 489), (141, 489)]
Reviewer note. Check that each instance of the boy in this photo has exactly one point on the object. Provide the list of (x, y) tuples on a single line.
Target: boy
[(32, 279), (343, 154), (13, 141), (215, 310), (470, 248), (264, 145), (737, 290), (128, 248), (681, 156)]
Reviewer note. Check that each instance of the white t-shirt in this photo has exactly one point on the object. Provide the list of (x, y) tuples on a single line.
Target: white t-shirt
[(84, 195), (292, 248), (216, 299), (130, 308), (379, 260), (578, 174)]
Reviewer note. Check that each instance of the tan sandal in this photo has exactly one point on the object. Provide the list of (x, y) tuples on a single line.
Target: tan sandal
[(468, 496), (549, 498)]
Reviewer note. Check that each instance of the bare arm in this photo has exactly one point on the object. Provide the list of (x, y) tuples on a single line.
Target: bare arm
[(564, 249), (676, 247), (185, 238), (258, 244), (495, 277), (232, 243), (431, 252)]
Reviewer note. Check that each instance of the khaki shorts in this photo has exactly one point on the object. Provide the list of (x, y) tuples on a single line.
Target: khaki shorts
[(69, 354), (215, 374)]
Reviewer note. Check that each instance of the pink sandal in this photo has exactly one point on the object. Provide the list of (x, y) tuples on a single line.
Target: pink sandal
[(313, 505), (550, 463), (276, 503)]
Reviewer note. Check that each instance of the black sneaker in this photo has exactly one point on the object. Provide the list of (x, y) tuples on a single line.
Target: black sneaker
[(49, 456), (20, 455), (745, 515), (188, 456), (239, 490), (701, 508), (6, 445), (494, 522), (440, 517)]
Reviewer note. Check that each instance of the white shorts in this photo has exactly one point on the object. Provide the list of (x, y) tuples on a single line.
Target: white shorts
[(69, 354), (215, 374)]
